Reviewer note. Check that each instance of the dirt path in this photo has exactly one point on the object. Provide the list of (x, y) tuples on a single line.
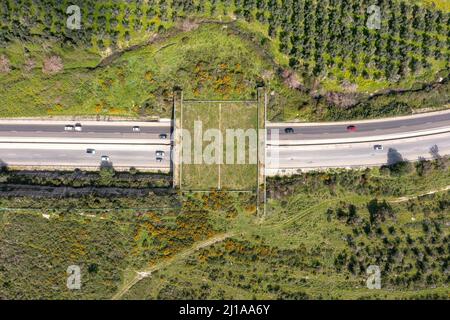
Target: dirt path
[(404, 199), (183, 254)]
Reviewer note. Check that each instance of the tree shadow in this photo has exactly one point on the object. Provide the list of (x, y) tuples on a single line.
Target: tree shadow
[(108, 165), (3, 166), (434, 152), (394, 157)]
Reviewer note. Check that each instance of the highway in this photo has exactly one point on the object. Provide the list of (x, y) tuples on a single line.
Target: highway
[(365, 128), (53, 155), (311, 157), (330, 145), (90, 129), (45, 143)]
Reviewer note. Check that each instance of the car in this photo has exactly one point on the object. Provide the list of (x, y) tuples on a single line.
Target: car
[(163, 136), (90, 151), (69, 128), (351, 128), (105, 159), (159, 159), (378, 147), (160, 153), (288, 130), (136, 129), (78, 127)]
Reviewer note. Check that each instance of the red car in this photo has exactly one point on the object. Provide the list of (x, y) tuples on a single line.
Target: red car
[(351, 128)]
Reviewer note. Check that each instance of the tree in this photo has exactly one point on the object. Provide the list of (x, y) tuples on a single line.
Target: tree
[(379, 211)]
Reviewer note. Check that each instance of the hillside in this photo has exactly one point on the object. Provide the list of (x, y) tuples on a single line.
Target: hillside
[(214, 246), (318, 58)]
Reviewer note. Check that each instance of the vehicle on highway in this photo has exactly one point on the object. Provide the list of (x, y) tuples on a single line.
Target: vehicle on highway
[(90, 151), (69, 128), (136, 129), (163, 136), (351, 128), (288, 130), (378, 147), (159, 159), (160, 153), (105, 159), (78, 127)]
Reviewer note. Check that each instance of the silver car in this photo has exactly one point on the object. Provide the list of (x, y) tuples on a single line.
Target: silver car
[(78, 127)]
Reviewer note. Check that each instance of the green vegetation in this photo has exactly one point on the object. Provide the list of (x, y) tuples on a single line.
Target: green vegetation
[(322, 67), (79, 191), (317, 59), (334, 225), (36, 250), (221, 173), (106, 235), (208, 63), (422, 99), (106, 177)]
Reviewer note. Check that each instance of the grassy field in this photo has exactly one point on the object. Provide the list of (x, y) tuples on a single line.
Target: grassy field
[(208, 63), (221, 116), (443, 5), (243, 47), (333, 225), (108, 244), (333, 228)]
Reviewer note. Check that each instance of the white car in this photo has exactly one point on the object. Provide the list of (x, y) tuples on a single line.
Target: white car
[(136, 129), (78, 127), (160, 153), (69, 128), (105, 159), (90, 151)]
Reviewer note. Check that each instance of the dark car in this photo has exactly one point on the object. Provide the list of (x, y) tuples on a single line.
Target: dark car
[(163, 136), (351, 128), (288, 130), (378, 147)]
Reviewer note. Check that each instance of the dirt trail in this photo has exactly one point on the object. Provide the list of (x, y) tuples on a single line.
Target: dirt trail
[(404, 199), (183, 254)]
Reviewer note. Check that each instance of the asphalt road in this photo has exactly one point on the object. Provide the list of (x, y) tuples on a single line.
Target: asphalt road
[(90, 129), (45, 143), (355, 154), (75, 155), (314, 131)]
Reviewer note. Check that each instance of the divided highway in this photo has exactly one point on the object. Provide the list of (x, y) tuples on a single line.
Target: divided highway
[(310, 146), (353, 154), (42, 143), (364, 128), (73, 156), (46, 144), (13, 129)]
